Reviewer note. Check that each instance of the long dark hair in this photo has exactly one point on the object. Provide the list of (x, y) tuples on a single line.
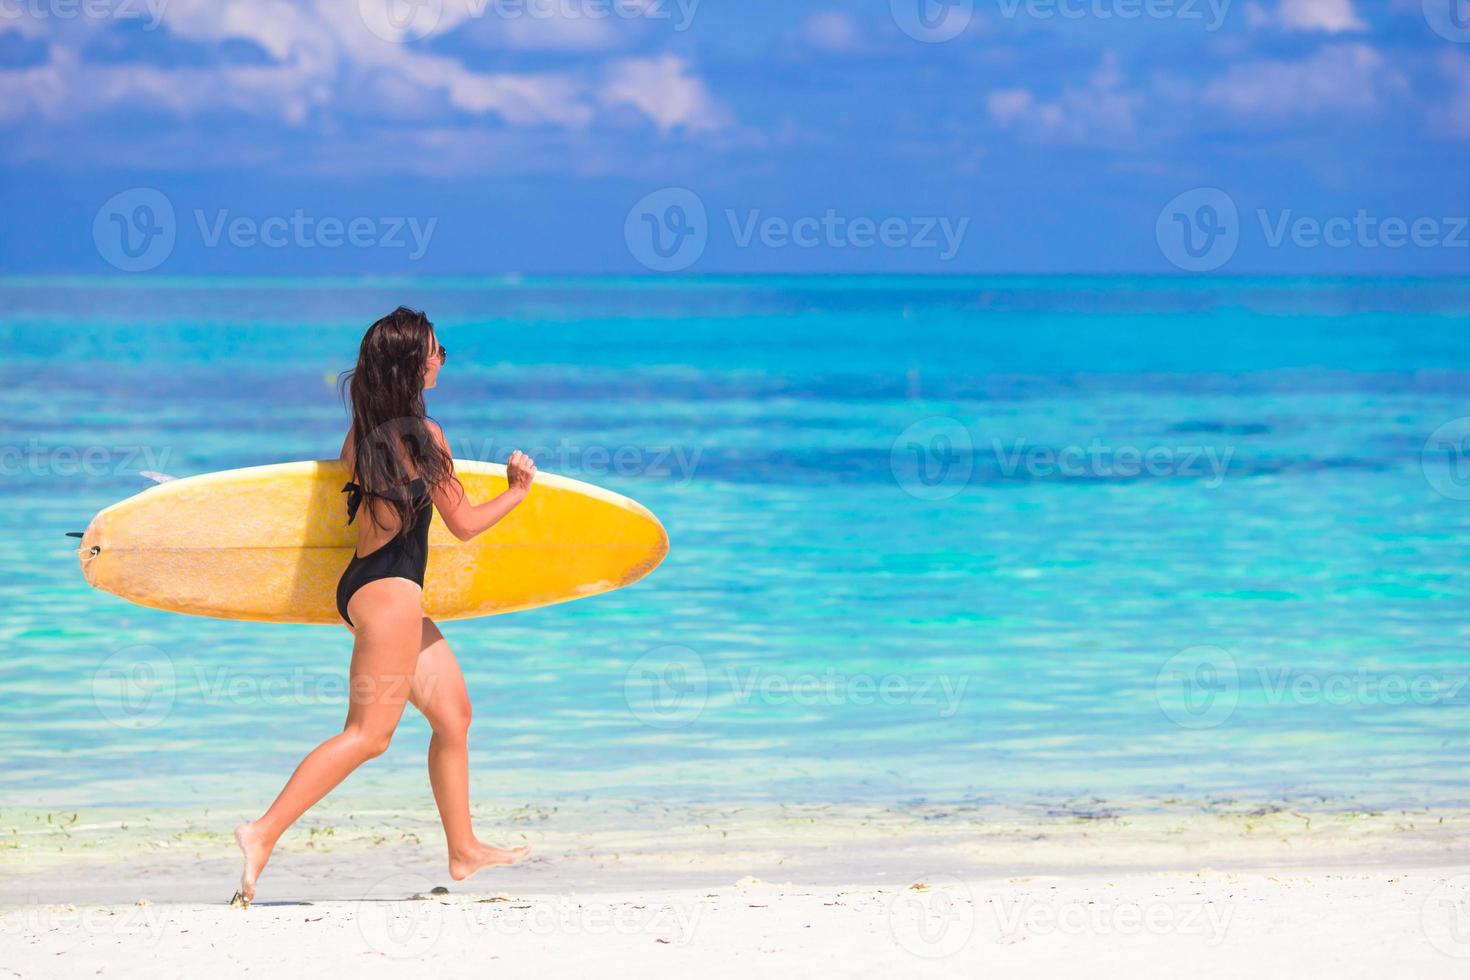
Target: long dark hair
[(388, 419)]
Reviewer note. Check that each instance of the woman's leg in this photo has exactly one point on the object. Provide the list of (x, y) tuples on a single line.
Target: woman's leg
[(439, 692), (384, 652)]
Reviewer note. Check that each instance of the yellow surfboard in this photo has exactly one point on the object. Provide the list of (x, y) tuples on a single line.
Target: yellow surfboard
[(269, 543)]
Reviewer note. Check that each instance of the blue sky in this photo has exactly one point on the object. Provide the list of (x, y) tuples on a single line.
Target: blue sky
[(660, 137)]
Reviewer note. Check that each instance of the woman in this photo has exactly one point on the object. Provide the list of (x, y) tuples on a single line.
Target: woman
[(401, 463)]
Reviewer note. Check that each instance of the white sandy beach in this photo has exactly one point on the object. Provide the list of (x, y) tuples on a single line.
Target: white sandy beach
[(1308, 922), (1216, 890)]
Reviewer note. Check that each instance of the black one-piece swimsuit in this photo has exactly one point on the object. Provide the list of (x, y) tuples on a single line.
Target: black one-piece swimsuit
[(405, 556)]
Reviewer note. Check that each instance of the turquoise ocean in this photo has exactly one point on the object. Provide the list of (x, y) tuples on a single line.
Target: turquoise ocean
[(998, 540)]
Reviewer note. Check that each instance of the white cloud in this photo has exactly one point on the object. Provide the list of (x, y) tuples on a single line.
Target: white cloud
[(24, 26), (1341, 77), (1100, 109), (530, 24), (830, 30), (551, 25), (1011, 104), (1452, 119), (662, 89), (1331, 16), (327, 61), (1326, 16)]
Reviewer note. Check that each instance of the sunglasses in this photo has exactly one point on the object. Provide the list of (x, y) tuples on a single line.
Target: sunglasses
[(443, 353)]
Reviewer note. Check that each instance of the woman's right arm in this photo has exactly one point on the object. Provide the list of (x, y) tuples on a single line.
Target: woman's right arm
[(464, 519)]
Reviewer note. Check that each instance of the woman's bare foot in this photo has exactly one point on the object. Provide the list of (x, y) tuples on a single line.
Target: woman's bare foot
[(461, 866), (257, 852)]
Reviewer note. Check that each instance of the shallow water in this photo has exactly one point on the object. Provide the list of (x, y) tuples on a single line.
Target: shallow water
[(958, 539)]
